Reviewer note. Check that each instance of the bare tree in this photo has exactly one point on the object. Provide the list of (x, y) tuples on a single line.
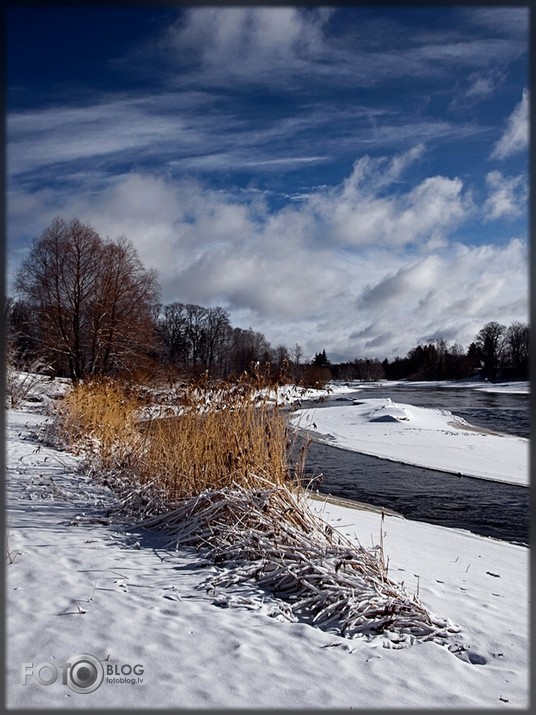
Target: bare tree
[(121, 311), (172, 326), (58, 278), (92, 299), (297, 355), (248, 348), (196, 334), (217, 333), (282, 358), (490, 340), (517, 347)]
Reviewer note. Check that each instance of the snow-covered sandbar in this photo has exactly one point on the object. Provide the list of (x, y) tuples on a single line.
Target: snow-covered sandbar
[(425, 437)]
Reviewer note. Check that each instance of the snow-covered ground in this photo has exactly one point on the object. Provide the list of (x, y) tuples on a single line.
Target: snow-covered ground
[(518, 387), (425, 437), (81, 588)]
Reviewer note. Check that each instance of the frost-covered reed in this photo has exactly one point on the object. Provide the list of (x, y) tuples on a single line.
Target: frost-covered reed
[(269, 536), (215, 472)]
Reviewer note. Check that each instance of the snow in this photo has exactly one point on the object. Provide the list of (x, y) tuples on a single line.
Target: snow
[(422, 436), (519, 387), (78, 582), (291, 394), (512, 388)]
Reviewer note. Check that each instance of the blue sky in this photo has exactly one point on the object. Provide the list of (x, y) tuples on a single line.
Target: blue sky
[(349, 179)]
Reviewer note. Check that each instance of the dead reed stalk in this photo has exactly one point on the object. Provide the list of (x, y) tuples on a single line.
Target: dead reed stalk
[(216, 434), (216, 475), (268, 534)]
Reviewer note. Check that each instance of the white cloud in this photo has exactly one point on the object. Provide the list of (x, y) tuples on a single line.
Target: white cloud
[(107, 129), (385, 302), (482, 86), (282, 273), (451, 295), (282, 45), (358, 214), (243, 42), (507, 198), (516, 135), (408, 283), (477, 87), (510, 22), (358, 267), (187, 131)]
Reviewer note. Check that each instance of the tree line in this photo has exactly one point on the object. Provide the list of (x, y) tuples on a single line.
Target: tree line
[(87, 306), (497, 352)]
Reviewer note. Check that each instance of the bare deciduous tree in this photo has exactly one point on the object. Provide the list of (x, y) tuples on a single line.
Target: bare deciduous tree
[(122, 315), (92, 297), (517, 347), (217, 333), (171, 327), (490, 340), (248, 347), (195, 337)]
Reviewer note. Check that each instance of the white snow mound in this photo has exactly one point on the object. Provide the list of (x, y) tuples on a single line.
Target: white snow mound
[(391, 412)]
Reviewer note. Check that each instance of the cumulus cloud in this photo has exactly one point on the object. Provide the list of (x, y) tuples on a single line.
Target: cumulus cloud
[(516, 135), (386, 302), (330, 263), (360, 213), (507, 196), (408, 282), (450, 295), (298, 273)]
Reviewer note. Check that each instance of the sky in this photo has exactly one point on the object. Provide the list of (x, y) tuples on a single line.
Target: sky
[(349, 179)]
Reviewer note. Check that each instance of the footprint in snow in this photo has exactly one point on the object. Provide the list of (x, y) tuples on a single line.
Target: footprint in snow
[(469, 656)]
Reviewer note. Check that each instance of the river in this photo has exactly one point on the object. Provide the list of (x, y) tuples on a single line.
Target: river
[(481, 506)]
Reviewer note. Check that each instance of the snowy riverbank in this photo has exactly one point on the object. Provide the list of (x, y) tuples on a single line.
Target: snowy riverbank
[(79, 584), (424, 437)]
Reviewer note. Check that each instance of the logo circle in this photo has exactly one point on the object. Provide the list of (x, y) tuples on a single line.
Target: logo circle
[(84, 673)]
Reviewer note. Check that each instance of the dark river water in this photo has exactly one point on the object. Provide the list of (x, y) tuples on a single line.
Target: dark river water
[(484, 507)]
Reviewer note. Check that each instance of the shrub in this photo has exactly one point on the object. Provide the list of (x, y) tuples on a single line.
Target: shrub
[(20, 385)]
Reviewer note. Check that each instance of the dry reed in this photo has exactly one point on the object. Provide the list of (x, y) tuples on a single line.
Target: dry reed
[(211, 435), (216, 475), (270, 536), (99, 418)]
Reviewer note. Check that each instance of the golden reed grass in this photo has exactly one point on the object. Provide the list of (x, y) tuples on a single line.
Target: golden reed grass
[(218, 435), (221, 464), (99, 417)]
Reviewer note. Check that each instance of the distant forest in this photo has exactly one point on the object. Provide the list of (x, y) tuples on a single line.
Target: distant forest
[(86, 306), (497, 353)]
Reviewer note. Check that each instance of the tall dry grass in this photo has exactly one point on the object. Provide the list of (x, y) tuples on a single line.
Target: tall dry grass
[(218, 435), (218, 476), (99, 418)]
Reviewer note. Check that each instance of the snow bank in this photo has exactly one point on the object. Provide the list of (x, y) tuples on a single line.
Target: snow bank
[(78, 583), (390, 412), (521, 387), (425, 437)]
